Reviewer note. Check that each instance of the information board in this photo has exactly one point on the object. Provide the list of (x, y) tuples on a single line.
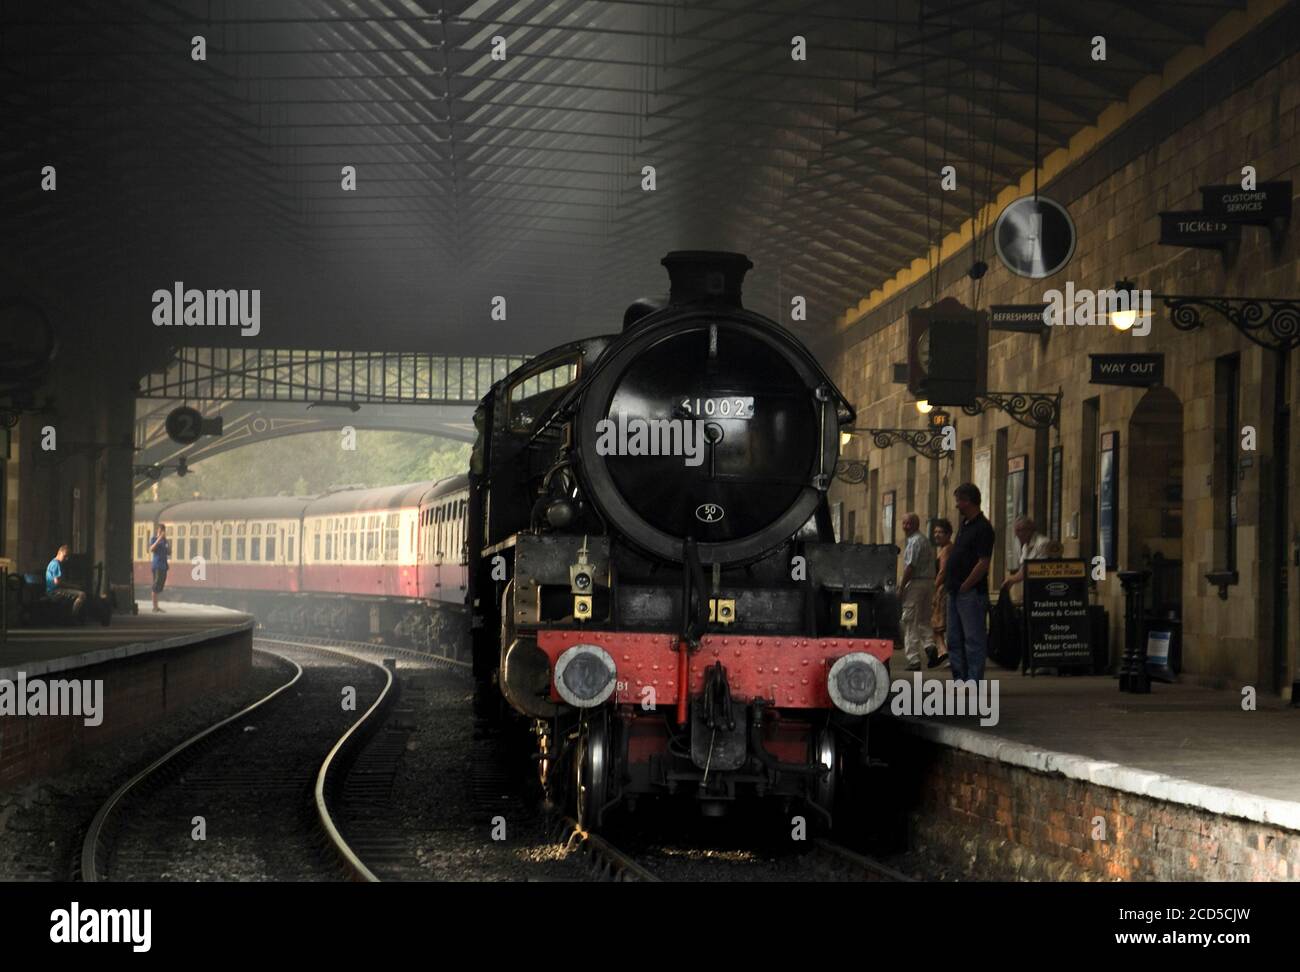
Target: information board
[(1056, 613)]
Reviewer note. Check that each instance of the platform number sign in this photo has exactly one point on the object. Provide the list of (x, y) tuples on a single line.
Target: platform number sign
[(184, 425)]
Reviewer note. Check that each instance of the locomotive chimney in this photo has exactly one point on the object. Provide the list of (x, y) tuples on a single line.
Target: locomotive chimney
[(705, 275)]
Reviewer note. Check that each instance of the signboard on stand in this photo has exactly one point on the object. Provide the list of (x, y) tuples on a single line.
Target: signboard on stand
[(1057, 630)]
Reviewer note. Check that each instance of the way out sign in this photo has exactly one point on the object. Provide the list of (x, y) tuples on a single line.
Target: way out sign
[(1140, 370)]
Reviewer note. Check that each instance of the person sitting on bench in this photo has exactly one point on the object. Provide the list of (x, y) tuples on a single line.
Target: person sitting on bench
[(57, 590)]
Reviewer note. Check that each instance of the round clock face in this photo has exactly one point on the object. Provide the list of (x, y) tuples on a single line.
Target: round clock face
[(1034, 237)]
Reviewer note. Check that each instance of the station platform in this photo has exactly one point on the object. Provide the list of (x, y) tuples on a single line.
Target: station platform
[(1085, 781), (39, 650), (67, 690)]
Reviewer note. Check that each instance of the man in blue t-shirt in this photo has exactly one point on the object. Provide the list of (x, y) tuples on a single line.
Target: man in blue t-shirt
[(57, 589), (966, 578), (162, 552)]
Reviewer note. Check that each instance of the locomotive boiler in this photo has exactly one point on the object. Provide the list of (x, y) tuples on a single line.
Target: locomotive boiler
[(655, 583)]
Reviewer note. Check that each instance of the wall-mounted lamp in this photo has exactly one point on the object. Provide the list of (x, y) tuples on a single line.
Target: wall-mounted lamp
[(924, 407), (1127, 306)]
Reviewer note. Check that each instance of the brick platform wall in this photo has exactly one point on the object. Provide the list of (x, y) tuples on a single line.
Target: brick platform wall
[(139, 692), (984, 820)]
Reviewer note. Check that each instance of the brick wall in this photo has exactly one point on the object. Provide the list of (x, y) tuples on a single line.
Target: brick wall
[(977, 819), (139, 692)]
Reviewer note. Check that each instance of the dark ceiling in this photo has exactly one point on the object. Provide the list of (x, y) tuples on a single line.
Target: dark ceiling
[(522, 178)]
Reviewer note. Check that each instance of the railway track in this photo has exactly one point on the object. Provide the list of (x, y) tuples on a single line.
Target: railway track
[(253, 796), (283, 800), (820, 860)]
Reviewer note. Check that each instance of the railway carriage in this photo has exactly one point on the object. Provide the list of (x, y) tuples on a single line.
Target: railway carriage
[(384, 563)]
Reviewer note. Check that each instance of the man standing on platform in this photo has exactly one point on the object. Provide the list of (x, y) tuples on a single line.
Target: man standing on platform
[(917, 591), (967, 585), (162, 552)]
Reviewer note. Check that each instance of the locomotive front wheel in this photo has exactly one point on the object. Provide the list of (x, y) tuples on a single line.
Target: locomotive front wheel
[(591, 771)]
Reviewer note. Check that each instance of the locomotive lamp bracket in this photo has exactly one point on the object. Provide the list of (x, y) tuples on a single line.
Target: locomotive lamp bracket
[(582, 607), (1033, 410), (580, 577), (722, 610), (849, 614)]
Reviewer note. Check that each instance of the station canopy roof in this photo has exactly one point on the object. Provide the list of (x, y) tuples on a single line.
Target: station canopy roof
[(522, 176)]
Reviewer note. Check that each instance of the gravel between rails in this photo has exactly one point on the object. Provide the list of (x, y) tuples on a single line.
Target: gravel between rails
[(252, 786), (43, 821)]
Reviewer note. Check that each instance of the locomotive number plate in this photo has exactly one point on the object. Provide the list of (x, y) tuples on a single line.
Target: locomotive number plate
[(733, 406)]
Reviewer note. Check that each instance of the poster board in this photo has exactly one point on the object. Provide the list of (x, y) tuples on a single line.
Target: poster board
[(1057, 629)]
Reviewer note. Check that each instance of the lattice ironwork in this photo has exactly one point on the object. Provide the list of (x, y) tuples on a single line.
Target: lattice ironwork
[(277, 375), (1271, 322), (927, 442), (1033, 410)]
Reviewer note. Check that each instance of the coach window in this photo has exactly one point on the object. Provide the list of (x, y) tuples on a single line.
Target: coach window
[(329, 539), (288, 541), (315, 540), (226, 534), (241, 541), (255, 542), (207, 541), (354, 525), (390, 538)]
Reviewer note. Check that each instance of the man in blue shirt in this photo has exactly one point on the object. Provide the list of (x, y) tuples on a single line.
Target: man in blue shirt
[(57, 589), (162, 551), (966, 579)]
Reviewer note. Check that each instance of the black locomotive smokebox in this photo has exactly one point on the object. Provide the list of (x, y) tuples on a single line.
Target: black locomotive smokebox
[(706, 275)]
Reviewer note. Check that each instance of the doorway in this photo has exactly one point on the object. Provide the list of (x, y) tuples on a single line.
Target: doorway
[(1155, 498)]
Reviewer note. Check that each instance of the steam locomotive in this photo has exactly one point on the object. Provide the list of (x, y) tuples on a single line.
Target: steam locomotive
[(654, 580)]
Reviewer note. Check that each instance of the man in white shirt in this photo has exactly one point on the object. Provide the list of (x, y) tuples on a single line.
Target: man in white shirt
[(917, 591), (1033, 546)]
